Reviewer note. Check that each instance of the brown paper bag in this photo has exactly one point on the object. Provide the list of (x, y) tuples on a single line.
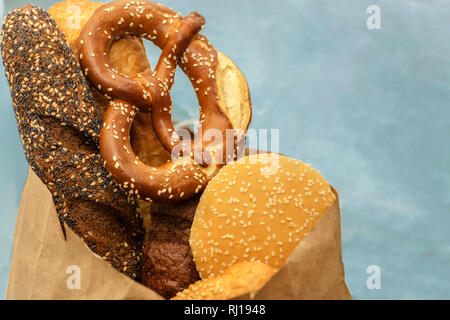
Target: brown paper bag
[(42, 262)]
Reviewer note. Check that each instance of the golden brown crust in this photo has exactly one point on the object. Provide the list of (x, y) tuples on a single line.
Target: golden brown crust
[(238, 280), (59, 128), (71, 15), (174, 35), (172, 181), (257, 209)]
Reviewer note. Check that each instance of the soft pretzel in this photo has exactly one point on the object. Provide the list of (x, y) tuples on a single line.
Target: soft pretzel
[(127, 56), (220, 87)]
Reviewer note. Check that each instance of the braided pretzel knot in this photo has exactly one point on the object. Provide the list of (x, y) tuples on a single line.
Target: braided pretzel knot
[(220, 87)]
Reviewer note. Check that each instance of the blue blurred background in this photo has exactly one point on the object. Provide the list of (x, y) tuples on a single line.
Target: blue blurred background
[(368, 108)]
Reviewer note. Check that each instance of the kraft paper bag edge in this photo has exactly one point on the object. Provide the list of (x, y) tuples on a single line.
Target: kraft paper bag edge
[(30, 270), (315, 269), (44, 266)]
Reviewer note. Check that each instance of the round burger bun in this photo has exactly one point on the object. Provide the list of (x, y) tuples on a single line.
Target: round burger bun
[(257, 209), (242, 278)]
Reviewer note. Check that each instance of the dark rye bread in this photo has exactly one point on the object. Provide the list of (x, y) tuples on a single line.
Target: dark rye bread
[(59, 127), (168, 264)]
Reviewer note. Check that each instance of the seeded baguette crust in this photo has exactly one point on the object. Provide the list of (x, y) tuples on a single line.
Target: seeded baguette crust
[(59, 127)]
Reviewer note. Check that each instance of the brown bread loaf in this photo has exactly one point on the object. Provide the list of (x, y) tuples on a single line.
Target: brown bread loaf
[(168, 264)]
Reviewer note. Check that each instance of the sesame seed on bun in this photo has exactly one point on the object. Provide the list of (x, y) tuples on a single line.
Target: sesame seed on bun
[(242, 278), (257, 209)]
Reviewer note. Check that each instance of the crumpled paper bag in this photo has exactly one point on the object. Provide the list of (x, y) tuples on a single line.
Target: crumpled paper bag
[(44, 266)]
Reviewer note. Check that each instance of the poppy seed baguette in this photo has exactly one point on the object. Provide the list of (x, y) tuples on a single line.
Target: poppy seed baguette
[(59, 127)]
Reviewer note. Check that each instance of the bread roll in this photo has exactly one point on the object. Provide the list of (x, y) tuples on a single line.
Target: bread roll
[(127, 55), (71, 16), (249, 213), (242, 278)]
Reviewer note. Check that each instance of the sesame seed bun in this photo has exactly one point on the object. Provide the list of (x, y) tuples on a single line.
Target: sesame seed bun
[(242, 278), (257, 209)]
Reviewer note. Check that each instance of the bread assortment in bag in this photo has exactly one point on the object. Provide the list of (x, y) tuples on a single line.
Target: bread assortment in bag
[(188, 216)]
